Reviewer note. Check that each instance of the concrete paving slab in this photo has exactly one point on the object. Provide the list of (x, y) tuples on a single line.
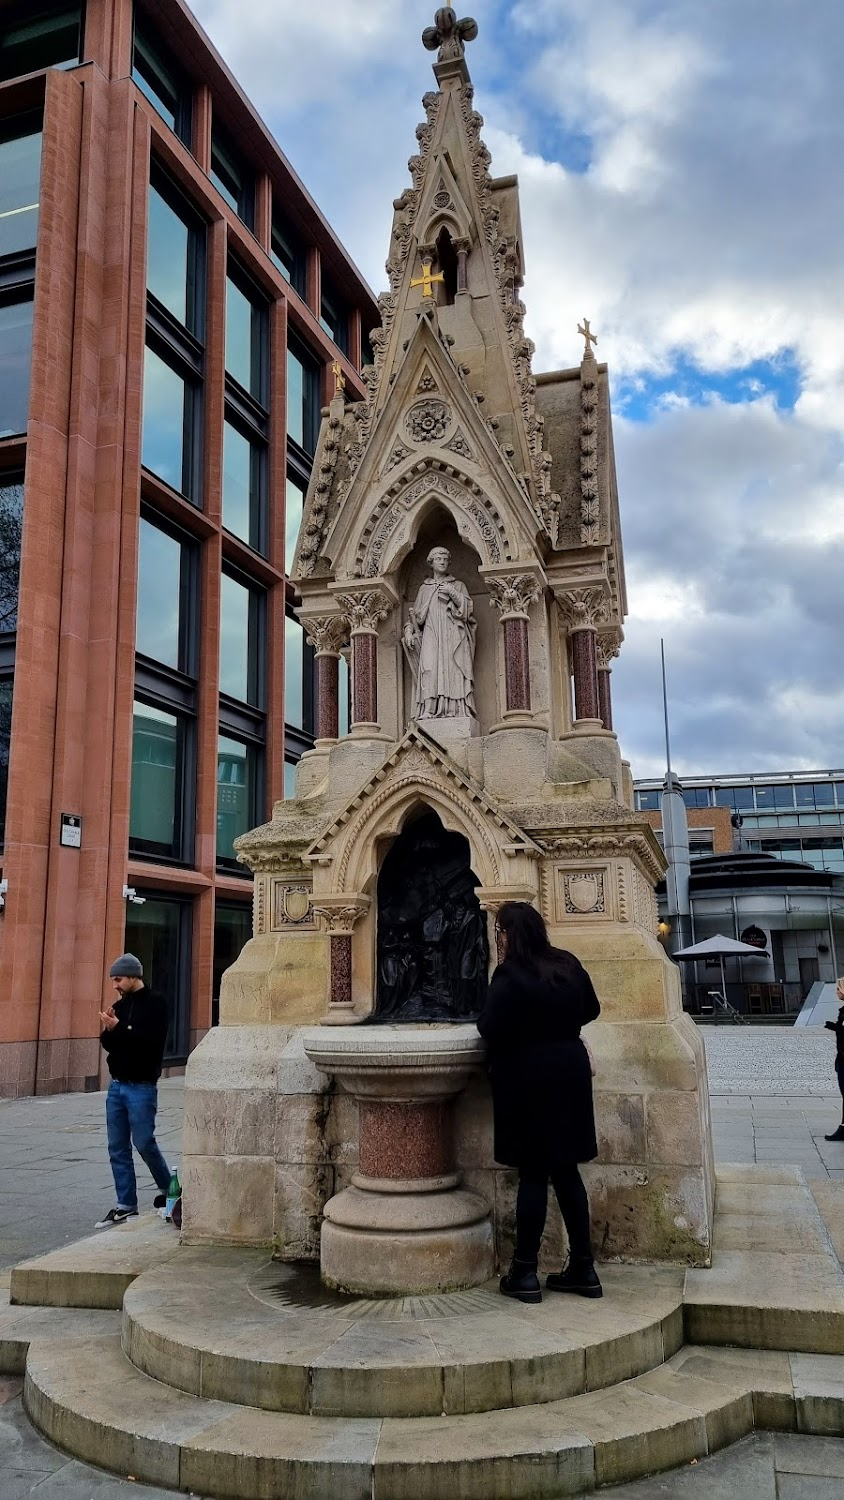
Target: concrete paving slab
[(95, 1271)]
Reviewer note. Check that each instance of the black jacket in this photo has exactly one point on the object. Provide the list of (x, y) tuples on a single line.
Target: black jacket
[(135, 1046), (838, 1027), (538, 1066)]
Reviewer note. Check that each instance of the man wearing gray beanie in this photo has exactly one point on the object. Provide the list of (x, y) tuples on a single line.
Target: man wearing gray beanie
[(133, 1037)]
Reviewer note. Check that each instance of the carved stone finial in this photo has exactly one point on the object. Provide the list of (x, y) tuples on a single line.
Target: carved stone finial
[(591, 338), (449, 34)]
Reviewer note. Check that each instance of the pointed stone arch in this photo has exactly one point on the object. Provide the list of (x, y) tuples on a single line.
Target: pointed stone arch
[(384, 815), (394, 522)]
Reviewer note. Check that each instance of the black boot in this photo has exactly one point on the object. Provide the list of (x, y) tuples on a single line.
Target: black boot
[(837, 1135), (579, 1276), (521, 1281)]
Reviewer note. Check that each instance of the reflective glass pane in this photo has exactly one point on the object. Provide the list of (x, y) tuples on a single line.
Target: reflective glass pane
[(764, 797), (239, 336), (804, 794), (302, 400), (158, 933), (230, 176), (232, 931), (236, 483), (234, 639), (295, 407), (648, 801), (168, 91), (236, 811), (168, 244), (288, 254), (784, 796), (289, 779), (11, 526), (20, 172), (824, 794), (159, 595), (50, 41), (294, 652), (5, 742), (839, 793), (163, 420), (156, 755), (15, 360), (294, 501)]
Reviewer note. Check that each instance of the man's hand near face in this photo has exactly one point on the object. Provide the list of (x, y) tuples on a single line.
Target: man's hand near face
[(108, 1018)]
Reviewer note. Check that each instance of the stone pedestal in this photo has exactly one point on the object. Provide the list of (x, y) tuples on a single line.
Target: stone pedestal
[(403, 1225)]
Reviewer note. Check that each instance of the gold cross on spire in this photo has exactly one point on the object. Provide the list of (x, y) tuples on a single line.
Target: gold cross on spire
[(427, 279), (590, 337), (339, 377)]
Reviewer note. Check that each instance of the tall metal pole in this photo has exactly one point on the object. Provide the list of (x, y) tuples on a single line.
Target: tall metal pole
[(665, 707)]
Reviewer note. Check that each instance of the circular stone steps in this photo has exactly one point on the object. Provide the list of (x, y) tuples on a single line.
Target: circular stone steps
[(228, 1325), (88, 1398)]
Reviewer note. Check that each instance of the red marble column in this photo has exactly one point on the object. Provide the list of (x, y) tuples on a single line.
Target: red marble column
[(341, 968), (605, 697), (328, 696), (585, 670), (405, 1140), (517, 664), (364, 677)]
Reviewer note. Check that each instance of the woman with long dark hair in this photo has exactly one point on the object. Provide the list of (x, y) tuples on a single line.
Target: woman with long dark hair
[(541, 1076)]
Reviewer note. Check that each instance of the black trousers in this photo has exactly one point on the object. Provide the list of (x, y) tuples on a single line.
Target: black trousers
[(532, 1207), (839, 1073)]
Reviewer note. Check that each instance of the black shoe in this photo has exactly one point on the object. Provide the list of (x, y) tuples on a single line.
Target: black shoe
[(837, 1135), (160, 1200), (521, 1282), (579, 1277), (116, 1216)]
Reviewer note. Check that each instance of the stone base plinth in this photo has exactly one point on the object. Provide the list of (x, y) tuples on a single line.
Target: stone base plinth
[(399, 1244)]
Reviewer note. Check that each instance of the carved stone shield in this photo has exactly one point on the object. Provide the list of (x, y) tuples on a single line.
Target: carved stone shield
[(584, 892)]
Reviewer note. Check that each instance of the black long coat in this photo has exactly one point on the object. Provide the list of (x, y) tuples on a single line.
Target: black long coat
[(538, 1066)]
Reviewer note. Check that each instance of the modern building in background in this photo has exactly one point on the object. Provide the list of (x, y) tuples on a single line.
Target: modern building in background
[(767, 867), (171, 305)]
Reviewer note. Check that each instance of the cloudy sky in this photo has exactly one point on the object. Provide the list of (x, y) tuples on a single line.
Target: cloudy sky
[(682, 184)]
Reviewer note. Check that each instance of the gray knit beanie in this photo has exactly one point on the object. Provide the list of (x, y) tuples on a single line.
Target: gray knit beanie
[(126, 967)]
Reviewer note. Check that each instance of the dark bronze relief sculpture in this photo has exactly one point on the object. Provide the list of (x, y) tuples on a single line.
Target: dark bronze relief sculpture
[(433, 954)]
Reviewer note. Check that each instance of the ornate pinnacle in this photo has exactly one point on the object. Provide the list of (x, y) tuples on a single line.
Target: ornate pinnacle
[(449, 34)]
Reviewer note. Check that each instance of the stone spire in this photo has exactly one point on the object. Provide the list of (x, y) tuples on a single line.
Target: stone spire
[(589, 504)]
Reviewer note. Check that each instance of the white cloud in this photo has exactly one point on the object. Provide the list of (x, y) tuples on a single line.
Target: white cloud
[(680, 176)]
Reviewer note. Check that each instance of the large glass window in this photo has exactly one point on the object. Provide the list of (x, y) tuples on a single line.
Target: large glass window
[(232, 931), (171, 425), (34, 36), (294, 673), (696, 796), (241, 641), (167, 596), (231, 176), (245, 459), (15, 362), (11, 530), (294, 504), (164, 84), (334, 316), (288, 253), (159, 934), (168, 255), (156, 819), (303, 397), (738, 798), (20, 175), (246, 341), (5, 743), (237, 794), (648, 801)]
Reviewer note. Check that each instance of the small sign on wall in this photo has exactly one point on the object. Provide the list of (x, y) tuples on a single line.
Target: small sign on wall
[(71, 831)]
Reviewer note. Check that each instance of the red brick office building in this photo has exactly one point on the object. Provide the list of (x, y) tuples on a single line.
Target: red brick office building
[(171, 304)]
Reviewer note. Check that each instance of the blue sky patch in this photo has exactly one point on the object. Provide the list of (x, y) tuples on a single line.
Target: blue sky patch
[(641, 397)]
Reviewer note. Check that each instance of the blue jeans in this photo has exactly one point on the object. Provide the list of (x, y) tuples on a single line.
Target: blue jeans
[(130, 1120)]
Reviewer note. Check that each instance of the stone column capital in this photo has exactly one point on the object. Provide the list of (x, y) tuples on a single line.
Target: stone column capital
[(608, 646), (584, 609), (328, 634), (365, 608), (513, 593), (341, 912)]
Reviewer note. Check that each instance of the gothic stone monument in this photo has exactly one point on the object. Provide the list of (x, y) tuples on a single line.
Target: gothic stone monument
[(461, 547)]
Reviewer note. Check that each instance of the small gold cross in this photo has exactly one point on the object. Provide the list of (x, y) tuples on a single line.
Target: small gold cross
[(339, 377), (427, 279)]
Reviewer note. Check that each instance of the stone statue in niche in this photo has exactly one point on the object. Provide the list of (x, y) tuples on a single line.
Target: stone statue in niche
[(432, 954), (439, 642)]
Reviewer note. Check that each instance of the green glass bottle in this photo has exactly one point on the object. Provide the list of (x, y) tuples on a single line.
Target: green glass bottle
[(174, 1192)]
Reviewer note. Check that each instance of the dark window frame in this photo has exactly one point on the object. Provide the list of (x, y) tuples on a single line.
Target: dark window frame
[(223, 146), (180, 999), (256, 651), (258, 394), (247, 413), (148, 693), (338, 323), (187, 671), (312, 368), (195, 298), (193, 420), (21, 15), (14, 292), (295, 738), (257, 744), (282, 232), (178, 82)]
